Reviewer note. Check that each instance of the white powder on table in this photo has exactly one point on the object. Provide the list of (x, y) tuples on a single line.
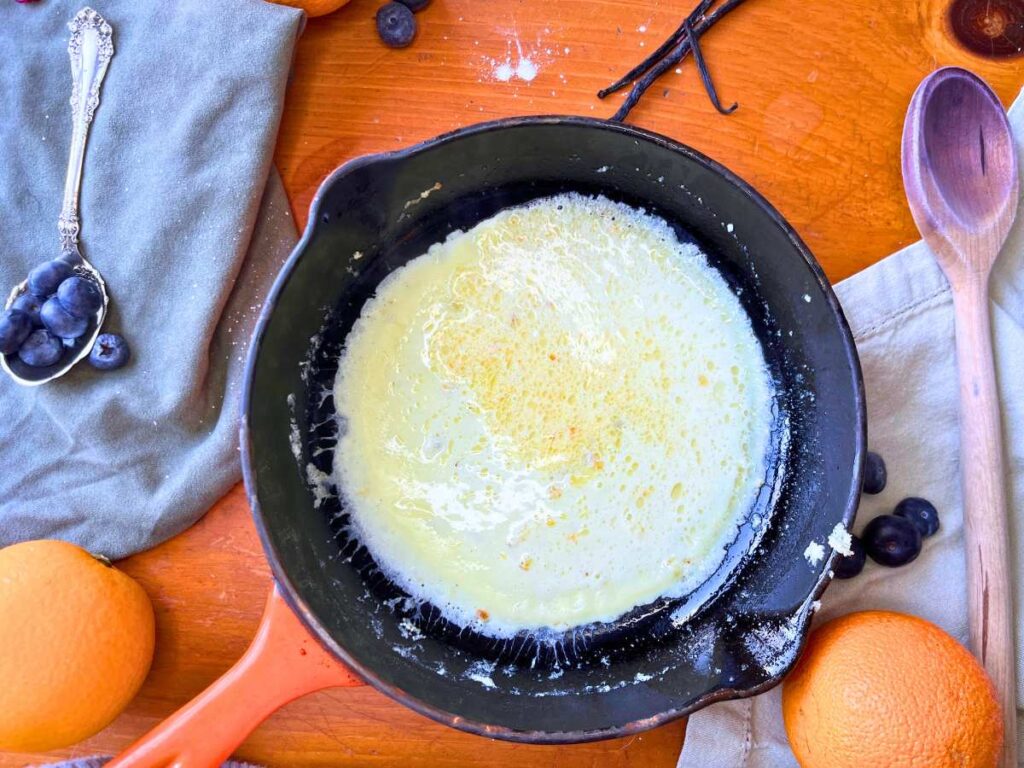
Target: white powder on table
[(503, 72), (518, 64), (526, 70)]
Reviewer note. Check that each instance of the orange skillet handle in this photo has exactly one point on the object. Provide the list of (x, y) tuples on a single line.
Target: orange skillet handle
[(283, 663)]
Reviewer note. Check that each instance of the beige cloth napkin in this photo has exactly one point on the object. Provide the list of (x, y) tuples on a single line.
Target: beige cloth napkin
[(901, 314)]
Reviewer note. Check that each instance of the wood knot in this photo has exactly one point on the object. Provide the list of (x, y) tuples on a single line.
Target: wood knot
[(993, 28)]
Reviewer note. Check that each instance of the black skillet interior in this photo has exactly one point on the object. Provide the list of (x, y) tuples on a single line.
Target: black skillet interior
[(734, 636)]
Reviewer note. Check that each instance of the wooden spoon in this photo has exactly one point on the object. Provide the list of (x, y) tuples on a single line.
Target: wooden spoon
[(960, 174)]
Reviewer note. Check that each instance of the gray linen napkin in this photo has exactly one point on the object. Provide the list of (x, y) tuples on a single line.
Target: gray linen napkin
[(901, 314), (178, 215)]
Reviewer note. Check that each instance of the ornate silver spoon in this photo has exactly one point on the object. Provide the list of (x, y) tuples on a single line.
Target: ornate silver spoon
[(90, 48)]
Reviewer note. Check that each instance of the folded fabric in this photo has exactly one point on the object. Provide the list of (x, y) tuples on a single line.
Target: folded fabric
[(178, 215), (901, 314)]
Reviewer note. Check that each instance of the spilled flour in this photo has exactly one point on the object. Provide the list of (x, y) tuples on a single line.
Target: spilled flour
[(481, 672), (525, 69), (840, 540), (518, 64), (814, 553)]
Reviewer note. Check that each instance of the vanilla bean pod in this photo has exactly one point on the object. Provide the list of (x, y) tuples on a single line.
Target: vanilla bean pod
[(640, 86), (705, 74), (656, 56), (677, 53)]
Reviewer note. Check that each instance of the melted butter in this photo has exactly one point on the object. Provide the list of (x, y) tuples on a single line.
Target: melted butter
[(552, 418)]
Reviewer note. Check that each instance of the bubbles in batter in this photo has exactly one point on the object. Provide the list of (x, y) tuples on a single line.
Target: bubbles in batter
[(552, 418)]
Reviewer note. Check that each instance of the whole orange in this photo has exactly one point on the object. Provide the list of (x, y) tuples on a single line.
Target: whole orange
[(885, 689), (314, 7), (76, 642)]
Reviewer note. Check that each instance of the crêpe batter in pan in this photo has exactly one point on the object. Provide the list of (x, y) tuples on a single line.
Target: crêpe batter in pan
[(552, 418)]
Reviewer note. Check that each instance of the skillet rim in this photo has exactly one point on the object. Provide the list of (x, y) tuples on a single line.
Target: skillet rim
[(308, 617)]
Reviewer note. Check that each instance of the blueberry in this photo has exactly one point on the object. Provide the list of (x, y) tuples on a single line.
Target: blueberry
[(15, 326), (71, 258), (44, 279), (109, 353), (30, 305), (891, 540), (41, 349), (848, 566), (875, 475), (80, 296), (396, 25), (415, 5), (61, 322), (921, 512)]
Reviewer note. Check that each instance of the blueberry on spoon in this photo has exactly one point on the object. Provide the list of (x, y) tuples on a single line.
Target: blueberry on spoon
[(60, 322), (41, 349), (15, 326), (44, 280), (71, 258), (30, 305), (80, 296)]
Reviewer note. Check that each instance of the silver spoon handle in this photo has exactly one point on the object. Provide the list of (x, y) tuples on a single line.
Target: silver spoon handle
[(90, 47)]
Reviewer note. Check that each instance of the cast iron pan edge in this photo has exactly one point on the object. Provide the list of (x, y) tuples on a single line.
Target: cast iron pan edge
[(289, 590)]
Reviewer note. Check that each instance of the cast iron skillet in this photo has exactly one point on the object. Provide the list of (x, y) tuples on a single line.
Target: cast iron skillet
[(740, 635), (737, 634)]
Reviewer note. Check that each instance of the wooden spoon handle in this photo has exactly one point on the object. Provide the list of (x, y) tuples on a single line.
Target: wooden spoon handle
[(986, 526)]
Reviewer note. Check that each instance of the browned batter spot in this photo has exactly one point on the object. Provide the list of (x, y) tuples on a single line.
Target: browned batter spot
[(993, 28)]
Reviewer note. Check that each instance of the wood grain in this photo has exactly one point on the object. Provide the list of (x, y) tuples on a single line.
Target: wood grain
[(822, 88), (986, 521)]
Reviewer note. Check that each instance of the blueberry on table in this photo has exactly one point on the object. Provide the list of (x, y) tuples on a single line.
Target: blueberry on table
[(80, 296), (396, 25), (875, 474), (892, 541), (109, 353), (848, 566), (15, 326), (60, 322), (44, 279), (30, 305), (415, 5), (921, 512), (41, 349)]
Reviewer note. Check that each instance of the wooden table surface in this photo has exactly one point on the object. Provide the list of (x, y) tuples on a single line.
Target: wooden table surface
[(822, 88)]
